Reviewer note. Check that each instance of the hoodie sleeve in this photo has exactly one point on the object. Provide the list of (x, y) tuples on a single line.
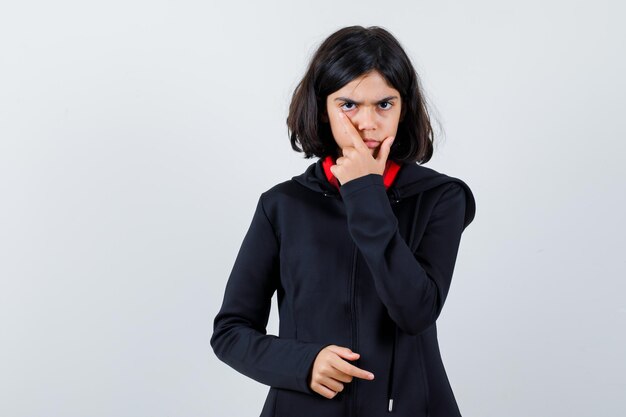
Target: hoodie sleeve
[(239, 329), (413, 286)]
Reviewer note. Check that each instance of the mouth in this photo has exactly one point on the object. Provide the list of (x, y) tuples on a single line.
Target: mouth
[(371, 143)]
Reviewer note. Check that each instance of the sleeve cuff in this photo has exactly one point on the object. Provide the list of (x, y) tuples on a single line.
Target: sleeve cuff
[(359, 183), (303, 380)]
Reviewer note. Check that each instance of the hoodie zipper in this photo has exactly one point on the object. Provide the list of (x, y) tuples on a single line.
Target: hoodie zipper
[(394, 198), (354, 325)]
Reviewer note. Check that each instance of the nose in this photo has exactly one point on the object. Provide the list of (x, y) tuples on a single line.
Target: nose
[(366, 118)]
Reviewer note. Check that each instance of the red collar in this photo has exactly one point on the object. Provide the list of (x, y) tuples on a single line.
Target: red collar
[(391, 169)]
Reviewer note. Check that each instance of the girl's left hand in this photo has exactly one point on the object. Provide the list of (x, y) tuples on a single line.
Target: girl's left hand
[(357, 160)]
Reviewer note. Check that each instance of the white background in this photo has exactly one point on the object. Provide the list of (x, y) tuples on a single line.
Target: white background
[(136, 137)]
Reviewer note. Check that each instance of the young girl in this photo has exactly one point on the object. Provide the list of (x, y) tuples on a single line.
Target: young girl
[(360, 248)]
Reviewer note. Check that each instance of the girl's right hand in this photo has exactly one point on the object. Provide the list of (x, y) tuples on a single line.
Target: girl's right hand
[(330, 370)]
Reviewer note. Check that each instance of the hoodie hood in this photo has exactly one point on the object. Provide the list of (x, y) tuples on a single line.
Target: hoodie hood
[(411, 179), (389, 174)]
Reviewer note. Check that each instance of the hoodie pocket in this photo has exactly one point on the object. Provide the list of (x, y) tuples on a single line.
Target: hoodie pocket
[(410, 389), (422, 366), (295, 403)]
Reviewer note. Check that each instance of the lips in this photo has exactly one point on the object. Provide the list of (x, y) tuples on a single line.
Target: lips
[(371, 143)]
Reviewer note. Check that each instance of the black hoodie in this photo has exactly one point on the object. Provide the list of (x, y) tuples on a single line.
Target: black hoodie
[(362, 267)]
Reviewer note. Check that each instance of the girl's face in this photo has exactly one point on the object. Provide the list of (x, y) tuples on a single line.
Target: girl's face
[(373, 107)]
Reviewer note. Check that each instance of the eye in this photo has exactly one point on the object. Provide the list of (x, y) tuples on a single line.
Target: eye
[(347, 104), (385, 105)]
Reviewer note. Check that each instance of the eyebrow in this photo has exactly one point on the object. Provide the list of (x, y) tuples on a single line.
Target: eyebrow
[(348, 100)]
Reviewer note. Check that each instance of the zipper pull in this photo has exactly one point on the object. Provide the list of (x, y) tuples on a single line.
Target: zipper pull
[(390, 404)]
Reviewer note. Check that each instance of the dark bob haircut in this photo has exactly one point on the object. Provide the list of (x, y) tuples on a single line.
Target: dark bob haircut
[(345, 55)]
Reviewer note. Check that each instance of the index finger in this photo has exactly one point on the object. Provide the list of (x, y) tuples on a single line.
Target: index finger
[(349, 369), (349, 129)]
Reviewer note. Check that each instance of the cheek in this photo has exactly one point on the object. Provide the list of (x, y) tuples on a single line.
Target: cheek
[(337, 133), (334, 131), (392, 123)]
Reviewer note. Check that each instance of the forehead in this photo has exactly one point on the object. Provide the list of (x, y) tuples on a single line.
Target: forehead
[(368, 85)]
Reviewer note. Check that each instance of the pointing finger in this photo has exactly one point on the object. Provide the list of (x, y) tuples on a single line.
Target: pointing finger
[(350, 369), (351, 131)]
